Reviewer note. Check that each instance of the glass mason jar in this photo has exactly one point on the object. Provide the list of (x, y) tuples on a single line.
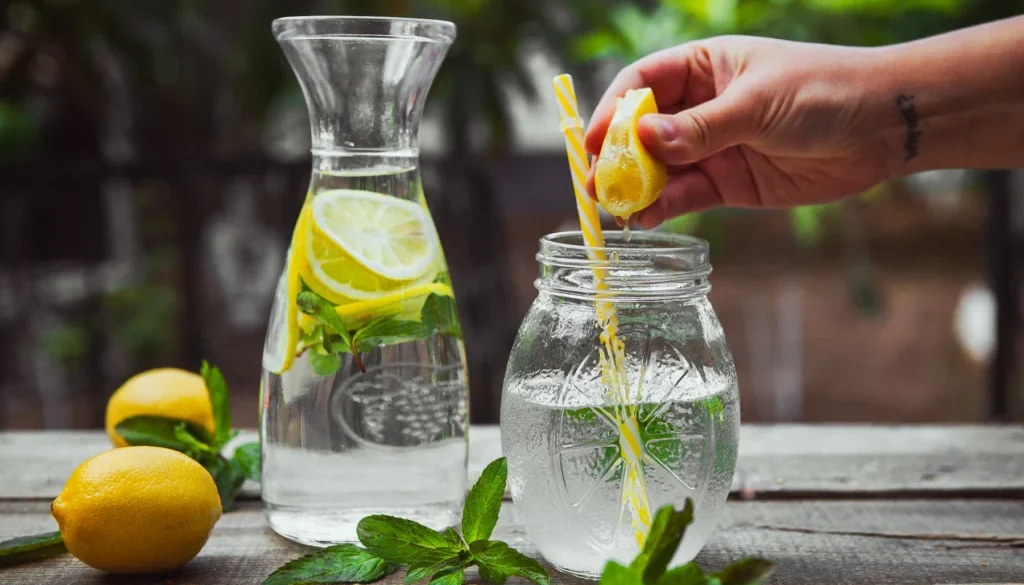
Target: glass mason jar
[(364, 393), (601, 429)]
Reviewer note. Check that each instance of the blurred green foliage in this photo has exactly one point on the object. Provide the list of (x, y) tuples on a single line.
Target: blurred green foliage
[(65, 343), (206, 76), (203, 78)]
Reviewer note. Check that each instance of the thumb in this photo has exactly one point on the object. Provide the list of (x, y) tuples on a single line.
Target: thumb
[(696, 133)]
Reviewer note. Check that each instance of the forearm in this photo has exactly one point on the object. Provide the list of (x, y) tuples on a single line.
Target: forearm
[(953, 101)]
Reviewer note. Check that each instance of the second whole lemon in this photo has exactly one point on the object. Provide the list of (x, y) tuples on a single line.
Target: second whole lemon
[(167, 392), (137, 510), (627, 177)]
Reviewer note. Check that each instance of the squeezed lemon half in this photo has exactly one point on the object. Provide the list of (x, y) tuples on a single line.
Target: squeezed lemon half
[(627, 177)]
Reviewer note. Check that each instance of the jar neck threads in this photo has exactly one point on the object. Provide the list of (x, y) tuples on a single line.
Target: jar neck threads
[(650, 267)]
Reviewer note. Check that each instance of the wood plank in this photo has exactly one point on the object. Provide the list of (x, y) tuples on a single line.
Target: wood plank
[(35, 464), (810, 541), (852, 460), (774, 460)]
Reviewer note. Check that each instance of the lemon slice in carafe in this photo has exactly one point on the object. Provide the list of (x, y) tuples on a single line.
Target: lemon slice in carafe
[(283, 329), (363, 245)]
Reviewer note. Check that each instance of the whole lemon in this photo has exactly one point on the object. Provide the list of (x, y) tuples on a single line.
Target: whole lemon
[(168, 392), (137, 510)]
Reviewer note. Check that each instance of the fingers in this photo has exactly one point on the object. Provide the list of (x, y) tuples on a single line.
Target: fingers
[(690, 191), (665, 72), (699, 132)]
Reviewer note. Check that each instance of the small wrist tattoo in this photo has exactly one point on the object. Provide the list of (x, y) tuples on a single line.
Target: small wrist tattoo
[(906, 105)]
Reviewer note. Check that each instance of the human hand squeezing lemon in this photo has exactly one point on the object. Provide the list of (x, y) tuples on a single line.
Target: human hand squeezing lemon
[(757, 122)]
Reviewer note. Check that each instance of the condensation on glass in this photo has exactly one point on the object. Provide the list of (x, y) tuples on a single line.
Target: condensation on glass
[(584, 462)]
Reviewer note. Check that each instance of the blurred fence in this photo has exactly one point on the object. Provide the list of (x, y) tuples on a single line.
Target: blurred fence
[(109, 269)]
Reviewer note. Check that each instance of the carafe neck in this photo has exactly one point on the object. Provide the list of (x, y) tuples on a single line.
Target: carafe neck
[(365, 80)]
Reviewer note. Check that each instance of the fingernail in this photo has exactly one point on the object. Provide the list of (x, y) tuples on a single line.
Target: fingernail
[(666, 130)]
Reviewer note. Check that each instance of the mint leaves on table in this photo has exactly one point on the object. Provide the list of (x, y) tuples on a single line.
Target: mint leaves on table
[(483, 502), (402, 541), (344, 563), (443, 556), (650, 567), (217, 388), (498, 562), (440, 556), (248, 458), (30, 548), (329, 339), (195, 441)]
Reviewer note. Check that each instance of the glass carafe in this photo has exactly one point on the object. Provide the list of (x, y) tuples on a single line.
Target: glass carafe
[(600, 431), (364, 393)]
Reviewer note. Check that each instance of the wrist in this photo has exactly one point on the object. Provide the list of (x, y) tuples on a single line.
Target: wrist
[(953, 101), (902, 106)]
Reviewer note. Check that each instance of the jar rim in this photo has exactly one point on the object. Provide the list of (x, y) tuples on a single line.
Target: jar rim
[(304, 28), (649, 266), (572, 241)]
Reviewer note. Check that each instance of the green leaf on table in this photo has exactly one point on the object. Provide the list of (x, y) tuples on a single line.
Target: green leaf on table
[(248, 458), (432, 562), (160, 431), (440, 314), (498, 561), (454, 539), (324, 364), (663, 539), (221, 401), (197, 449), (30, 548), (388, 330), (616, 574), (649, 567), (228, 476), (688, 574), (398, 540), (480, 512), (750, 571), (343, 563), (453, 576)]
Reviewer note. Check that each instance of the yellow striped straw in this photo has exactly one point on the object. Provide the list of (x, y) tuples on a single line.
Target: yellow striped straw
[(572, 128), (612, 356)]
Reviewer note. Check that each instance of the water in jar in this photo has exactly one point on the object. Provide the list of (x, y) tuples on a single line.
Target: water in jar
[(568, 465)]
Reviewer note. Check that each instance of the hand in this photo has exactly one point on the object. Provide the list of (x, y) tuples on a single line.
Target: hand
[(754, 122)]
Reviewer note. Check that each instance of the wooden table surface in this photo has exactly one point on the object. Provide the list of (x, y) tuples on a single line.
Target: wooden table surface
[(829, 504)]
